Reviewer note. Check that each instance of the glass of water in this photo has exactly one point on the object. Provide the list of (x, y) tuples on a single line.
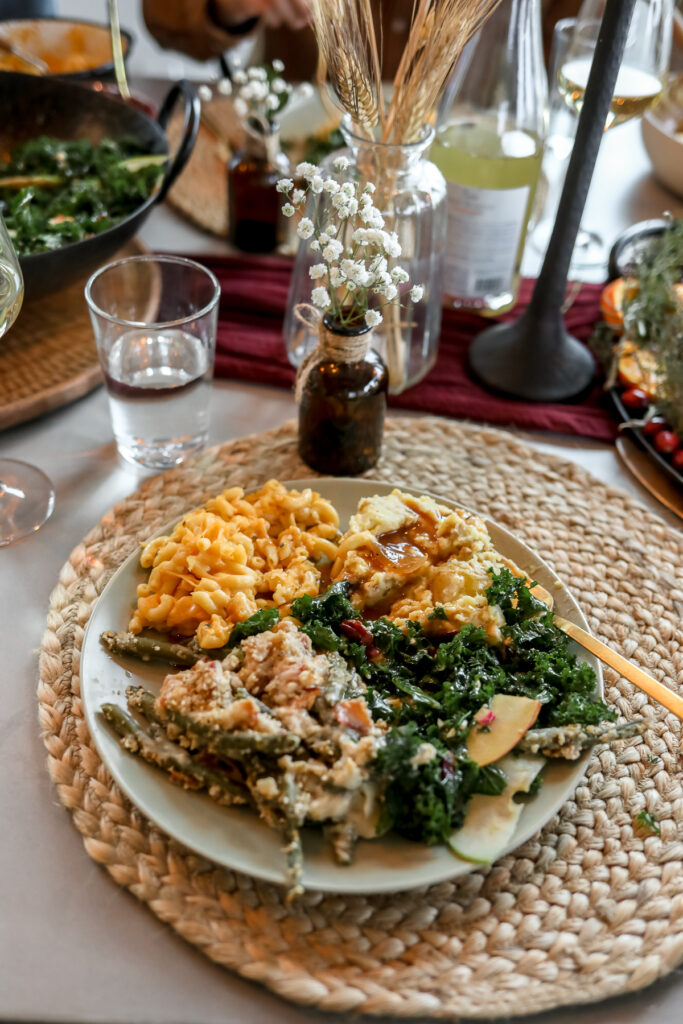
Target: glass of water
[(154, 319)]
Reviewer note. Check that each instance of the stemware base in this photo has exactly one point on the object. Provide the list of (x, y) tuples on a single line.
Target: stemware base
[(27, 499)]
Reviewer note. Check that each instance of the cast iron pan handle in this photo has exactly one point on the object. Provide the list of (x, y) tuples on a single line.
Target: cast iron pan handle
[(192, 104)]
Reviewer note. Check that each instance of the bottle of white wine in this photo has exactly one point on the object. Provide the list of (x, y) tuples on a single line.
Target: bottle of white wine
[(489, 146)]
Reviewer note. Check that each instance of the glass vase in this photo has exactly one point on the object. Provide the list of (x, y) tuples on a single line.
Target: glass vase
[(411, 196)]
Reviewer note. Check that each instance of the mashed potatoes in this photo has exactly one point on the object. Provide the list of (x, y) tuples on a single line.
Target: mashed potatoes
[(405, 556)]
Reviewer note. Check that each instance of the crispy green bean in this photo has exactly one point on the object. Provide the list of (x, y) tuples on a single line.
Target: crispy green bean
[(159, 751), (569, 741)]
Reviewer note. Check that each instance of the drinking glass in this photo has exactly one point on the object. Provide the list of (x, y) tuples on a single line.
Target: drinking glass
[(154, 319), (639, 83), (26, 494)]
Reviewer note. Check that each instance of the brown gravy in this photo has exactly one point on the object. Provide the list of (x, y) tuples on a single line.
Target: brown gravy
[(407, 549)]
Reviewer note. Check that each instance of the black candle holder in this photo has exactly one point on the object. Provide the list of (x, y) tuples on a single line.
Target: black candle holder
[(535, 357)]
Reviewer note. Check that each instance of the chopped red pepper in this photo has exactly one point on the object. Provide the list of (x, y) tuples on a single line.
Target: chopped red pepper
[(355, 630)]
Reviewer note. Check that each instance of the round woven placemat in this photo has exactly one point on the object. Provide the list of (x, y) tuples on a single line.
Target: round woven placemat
[(590, 907), (48, 357)]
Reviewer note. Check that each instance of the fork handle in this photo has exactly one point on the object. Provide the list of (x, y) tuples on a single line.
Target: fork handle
[(627, 669)]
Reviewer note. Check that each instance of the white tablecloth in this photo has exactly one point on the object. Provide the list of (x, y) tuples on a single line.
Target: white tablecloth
[(74, 947)]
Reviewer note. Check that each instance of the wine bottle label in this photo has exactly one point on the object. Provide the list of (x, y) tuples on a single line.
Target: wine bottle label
[(484, 233)]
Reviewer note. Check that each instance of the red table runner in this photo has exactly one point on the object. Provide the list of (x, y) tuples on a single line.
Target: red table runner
[(250, 347)]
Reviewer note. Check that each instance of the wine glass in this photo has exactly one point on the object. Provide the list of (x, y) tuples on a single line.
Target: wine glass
[(643, 66), (26, 494), (639, 84)]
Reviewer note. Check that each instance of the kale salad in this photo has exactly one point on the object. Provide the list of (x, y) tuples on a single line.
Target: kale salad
[(54, 192)]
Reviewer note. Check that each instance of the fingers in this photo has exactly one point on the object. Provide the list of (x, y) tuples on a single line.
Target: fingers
[(293, 14)]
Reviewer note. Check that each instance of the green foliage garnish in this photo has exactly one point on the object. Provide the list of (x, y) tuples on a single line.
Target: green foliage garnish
[(428, 689), (653, 318), (93, 187), (648, 823), (438, 613), (259, 622)]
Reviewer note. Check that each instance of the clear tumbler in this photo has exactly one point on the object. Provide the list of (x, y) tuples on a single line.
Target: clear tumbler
[(154, 319)]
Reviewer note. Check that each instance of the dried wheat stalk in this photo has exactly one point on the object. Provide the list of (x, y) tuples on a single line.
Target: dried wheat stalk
[(348, 47)]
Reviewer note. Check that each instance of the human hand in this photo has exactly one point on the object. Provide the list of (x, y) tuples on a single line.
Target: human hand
[(293, 14)]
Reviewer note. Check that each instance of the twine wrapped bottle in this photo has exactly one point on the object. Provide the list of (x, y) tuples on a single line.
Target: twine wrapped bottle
[(341, 389)]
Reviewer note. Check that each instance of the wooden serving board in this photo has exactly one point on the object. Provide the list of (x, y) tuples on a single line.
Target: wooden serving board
[(48, 357)]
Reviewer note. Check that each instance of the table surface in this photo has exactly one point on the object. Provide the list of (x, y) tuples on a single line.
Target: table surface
[(74, 946)]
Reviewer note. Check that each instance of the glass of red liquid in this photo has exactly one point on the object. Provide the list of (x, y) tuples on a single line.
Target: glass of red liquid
[(154, 319)]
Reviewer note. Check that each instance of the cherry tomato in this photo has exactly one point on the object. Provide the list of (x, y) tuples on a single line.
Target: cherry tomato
[(677, 460), (635, 398), (666, 442), (654, 425)]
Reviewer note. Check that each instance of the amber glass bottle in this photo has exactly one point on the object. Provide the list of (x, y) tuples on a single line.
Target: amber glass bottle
[(342, 401), (255, 219)]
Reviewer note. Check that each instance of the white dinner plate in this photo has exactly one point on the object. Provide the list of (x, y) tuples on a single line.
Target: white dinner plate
[(236, 837)]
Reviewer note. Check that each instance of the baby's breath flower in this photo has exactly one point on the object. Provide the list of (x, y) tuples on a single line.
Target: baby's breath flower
[(298, 196), (239, 77), (331, 186), (315, 245), (257, 74), (278, 66), (224, 87), (332, 251), (305, 227), (241, 108), (341, 163), (279, 85), (399, 275), (336, 277), (331, 230), (317, 271), (371, 216), (323, 238), (373, 318), (351, 286), (305, 89), (272, 102), (392, 246), (306, 170), (205, 93), (416, 292), (320, 297), (316, 184), (348, 189), (284, 185), (288, 210), (369, 187)]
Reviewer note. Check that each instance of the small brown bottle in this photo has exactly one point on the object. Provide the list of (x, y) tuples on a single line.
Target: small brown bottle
[(343, 398), (255, 219)]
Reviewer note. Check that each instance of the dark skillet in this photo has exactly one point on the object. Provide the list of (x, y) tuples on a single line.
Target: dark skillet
[(32, 106)]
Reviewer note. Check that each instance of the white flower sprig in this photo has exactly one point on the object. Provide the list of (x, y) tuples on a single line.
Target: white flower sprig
[(353, 279), (260, 94)]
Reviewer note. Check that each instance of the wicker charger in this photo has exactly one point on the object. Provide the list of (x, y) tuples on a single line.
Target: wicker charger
[(592, 906), (48, 357)]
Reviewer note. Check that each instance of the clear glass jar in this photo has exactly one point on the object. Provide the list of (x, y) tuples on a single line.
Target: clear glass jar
[(411, 195), (255, 219)]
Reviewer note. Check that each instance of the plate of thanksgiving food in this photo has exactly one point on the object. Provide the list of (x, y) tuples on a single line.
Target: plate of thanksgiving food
[(639, 342), (342, 685)]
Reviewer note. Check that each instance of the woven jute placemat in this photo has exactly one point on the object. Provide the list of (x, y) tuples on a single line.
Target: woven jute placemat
[(48, 357), (590, 907)]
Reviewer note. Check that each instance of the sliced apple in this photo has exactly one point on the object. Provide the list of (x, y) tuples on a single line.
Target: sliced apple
[(491, 820), (500, 725)]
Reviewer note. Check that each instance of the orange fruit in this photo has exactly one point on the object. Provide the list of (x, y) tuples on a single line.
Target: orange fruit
[(638, 368)]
